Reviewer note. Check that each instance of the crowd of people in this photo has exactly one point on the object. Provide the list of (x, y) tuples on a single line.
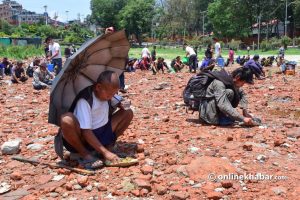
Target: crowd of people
[(82, 132)]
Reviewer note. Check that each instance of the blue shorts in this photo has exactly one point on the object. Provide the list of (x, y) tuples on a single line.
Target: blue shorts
[(104, 134)]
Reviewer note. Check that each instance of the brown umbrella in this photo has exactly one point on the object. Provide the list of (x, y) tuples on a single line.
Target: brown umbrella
[(105, 52)]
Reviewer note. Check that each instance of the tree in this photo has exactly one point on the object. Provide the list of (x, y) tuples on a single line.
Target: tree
[(136, 17), (228, 21), (105, 12)]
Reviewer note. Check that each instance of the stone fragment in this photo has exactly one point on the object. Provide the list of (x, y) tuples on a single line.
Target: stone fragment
[(11, 147)]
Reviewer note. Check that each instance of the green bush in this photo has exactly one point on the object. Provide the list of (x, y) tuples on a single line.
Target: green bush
[(297, 41), (275, 42), (285, 40), (265, 45), (234, 44)]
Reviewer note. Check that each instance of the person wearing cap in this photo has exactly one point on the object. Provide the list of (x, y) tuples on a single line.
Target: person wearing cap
[(255, 67), (55, 52), (42, 77), (18, 73), (224, 95)]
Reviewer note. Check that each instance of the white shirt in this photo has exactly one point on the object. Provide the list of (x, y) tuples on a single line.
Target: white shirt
[(91, 118), (190, 51), (217, 49), (145, 52), (53, 48)]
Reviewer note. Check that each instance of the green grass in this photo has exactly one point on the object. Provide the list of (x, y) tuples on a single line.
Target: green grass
[(20, 52), (171, 53)]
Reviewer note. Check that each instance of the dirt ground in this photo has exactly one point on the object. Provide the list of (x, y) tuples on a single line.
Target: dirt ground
[(179, 158)]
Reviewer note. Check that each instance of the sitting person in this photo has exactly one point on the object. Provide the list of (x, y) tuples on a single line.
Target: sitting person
[(177, 64), (255, 67), (208, 64), (32, 67), (91, 126), (223, 95), (18, 73), (42, 77), (160, 64), (130, 65), (6, 66)]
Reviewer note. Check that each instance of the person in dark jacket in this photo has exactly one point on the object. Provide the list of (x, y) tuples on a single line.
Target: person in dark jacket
[(223, 95), (256, 68)]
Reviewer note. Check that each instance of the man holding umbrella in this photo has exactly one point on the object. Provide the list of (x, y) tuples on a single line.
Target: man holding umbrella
[(90, 124)]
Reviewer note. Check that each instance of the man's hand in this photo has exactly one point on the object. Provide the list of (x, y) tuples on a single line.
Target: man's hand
[(111, 157), (248, 121)]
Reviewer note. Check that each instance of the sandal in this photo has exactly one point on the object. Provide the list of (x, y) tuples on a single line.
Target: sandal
[(91, 164), (124, 162)]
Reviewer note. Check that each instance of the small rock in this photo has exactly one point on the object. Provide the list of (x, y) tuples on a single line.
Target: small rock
[(54, 194), (101, 187), (279, 190), (144, 192), (278, 142), (149, 161), (58, 177), (16, 176), (35, 147), (226, 184), (4, 187), (140, 148), (69, 186), (77, 187), (146, 169), (261, 158), (247, 147), (89, 188), (127, 186), (219, 189), (181, 170), (11, 147), (214, 195), (65, 195), (271, 87), (180, 195), (165, 119), (135, 193), (142, 184), (193, 149), (229, 138), (161, 190), (83, 181)]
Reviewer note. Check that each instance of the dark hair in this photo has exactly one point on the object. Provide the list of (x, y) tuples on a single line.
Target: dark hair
[(154, 47), (48, 39), (184, 44), (230, 48), (108, 77), (255, 57), (177, 57), (245, 74)]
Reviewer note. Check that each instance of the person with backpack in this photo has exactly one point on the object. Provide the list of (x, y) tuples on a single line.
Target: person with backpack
[(216, 95), (91, 123)]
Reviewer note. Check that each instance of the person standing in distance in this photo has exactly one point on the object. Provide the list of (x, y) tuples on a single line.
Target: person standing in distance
[(55, 54)]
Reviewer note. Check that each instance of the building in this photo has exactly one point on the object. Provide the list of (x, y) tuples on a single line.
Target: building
[(8, 9), (28, 17), (14, 13)]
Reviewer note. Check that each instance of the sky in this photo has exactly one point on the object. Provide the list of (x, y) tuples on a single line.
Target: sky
[(60, 7)]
